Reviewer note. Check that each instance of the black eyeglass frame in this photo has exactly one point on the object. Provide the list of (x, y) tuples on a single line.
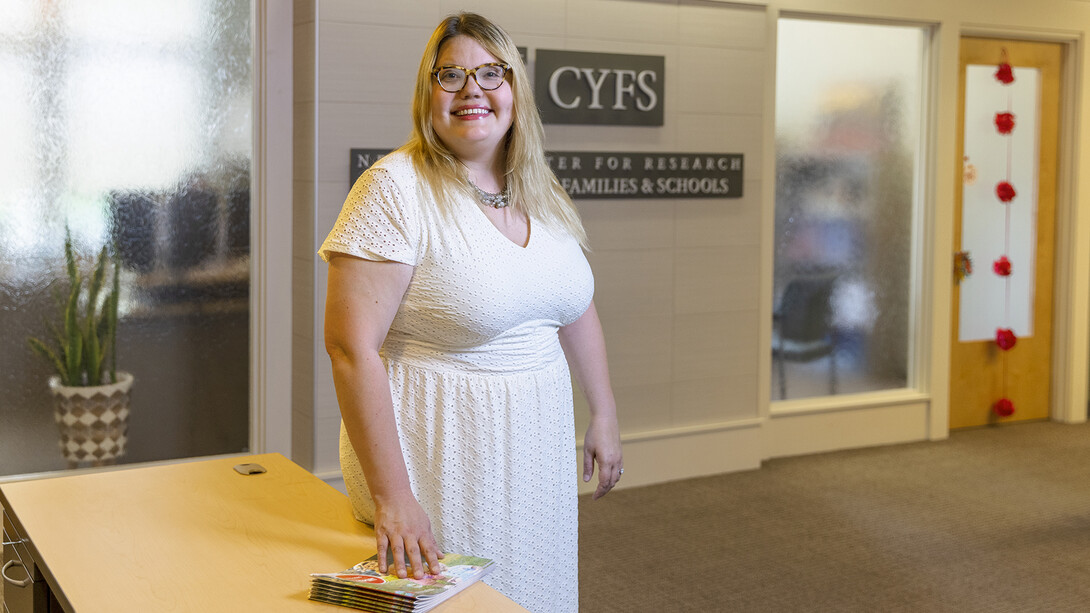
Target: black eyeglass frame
[(472, 72)]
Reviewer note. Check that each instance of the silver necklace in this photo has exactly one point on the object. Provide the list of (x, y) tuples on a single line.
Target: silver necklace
[(496, 201)]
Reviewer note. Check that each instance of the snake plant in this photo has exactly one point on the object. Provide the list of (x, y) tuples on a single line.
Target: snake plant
[(88, 326)]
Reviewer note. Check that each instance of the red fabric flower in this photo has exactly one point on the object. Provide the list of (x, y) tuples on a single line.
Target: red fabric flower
[(1002, 266), (1004, 74), (1003, 407), (1005, 338), (1004, 122), (1005, 191)]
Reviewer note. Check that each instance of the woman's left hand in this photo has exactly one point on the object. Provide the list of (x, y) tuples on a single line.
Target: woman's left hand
[(585, 348), (602, 444)]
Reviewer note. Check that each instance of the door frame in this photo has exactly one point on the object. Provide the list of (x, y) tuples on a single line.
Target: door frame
[(271, 219), (1071, 292)]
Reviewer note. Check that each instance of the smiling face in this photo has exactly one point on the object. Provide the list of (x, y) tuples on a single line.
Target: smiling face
[(471, 122)]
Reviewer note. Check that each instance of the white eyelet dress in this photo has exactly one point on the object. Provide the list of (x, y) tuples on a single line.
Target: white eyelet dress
[(481, 388)]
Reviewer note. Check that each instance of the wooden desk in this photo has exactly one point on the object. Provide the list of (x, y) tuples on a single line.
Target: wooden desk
[(197, 536)]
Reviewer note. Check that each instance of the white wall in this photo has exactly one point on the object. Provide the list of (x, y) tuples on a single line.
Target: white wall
[(683, 286)]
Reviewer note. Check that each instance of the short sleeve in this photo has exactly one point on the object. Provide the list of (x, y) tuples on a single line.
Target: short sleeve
[(380, 220)]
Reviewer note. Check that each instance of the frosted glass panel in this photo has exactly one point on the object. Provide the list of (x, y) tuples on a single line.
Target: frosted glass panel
[(121, 103), (129, 123), (848, 120), (991, 229)]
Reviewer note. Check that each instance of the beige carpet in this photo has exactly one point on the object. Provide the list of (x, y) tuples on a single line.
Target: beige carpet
[(991, 520)]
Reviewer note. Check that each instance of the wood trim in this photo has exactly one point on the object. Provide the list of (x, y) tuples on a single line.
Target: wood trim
[(1071, 349), (807, 433), (271, 275)]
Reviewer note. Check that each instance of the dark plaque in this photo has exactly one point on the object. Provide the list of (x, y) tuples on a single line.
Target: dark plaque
[(576, 87), (360, 160), (623, 175), (616, 174)]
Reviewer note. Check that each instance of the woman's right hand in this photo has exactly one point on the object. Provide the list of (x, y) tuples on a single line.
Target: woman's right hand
[(362, 299), (403, 528)]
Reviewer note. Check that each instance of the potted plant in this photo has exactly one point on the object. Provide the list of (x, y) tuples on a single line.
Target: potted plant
[(91, 398)]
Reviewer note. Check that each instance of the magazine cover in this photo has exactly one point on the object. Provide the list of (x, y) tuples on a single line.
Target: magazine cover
[(363, 587)]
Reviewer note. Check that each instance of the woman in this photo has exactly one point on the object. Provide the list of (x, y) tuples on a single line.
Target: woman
[(457, 287)]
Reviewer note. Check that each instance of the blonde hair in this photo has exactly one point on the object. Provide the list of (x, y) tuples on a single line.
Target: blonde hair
[(534, 188)]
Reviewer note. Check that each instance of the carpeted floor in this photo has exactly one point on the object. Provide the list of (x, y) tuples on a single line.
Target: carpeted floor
[(991, 520)]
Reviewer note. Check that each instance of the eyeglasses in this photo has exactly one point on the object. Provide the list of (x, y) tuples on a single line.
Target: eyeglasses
[(487, 76)]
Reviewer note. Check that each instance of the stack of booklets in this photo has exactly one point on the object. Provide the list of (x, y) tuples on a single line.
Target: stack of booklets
[(363, 587)]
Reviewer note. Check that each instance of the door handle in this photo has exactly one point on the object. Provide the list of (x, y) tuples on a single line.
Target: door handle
[(16, 582), (963, 266)]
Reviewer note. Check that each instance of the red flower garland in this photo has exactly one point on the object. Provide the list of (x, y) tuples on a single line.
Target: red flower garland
[(1005, 191), (1005, 338), (1004, 123), (1003, 407)]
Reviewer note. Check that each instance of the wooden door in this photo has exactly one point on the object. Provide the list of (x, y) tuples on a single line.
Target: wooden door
[(981, 371)]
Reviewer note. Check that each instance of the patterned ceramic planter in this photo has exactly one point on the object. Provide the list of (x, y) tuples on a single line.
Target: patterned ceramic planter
[(93, 421)]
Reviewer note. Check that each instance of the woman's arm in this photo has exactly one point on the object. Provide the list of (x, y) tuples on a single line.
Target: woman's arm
[(585, 347), (362, 298)]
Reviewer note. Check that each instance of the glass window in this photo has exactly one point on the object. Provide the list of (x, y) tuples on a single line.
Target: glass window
[(848, 126), (128, 125)]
